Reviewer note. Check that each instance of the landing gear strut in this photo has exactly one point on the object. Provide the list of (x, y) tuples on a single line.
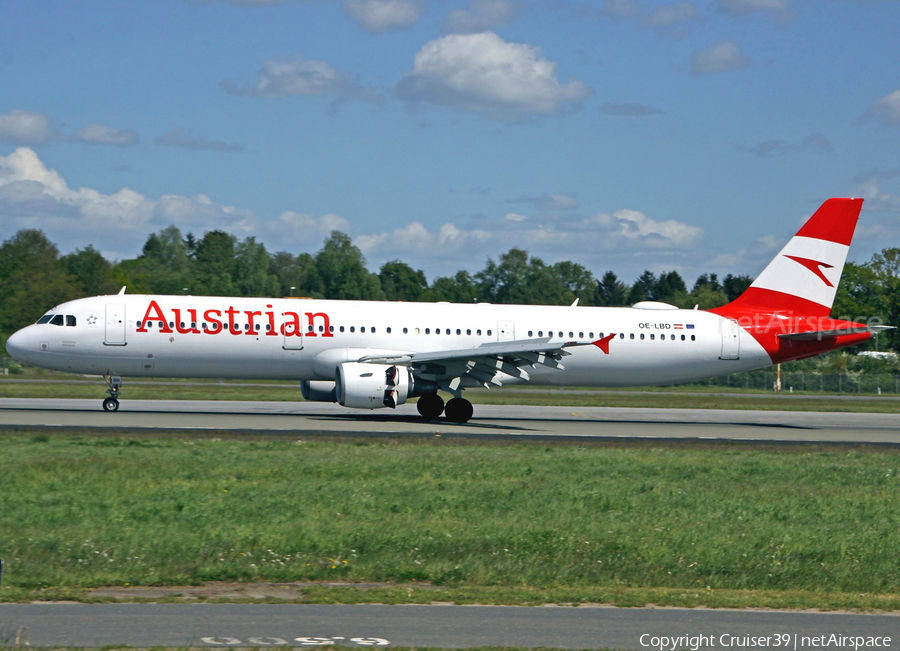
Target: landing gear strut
[(115, 383)]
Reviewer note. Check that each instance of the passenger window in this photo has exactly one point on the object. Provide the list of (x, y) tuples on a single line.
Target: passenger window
[(621, 335), (478, 332), (642, 335), (427, 331), (57, 320), (342, 328), (330, 328), (363, 329), (488, 333), (693, 338), (652, 337), (406, 331), (373, 330), (70, 320), (447, 331), (540, 333), (682, 337), (389, 330), (571, 335), (529, 333), (581, 335), (458, 331), (352, 328), (631, 335)]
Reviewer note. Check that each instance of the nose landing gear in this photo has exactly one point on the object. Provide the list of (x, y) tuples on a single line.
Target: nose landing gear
[(115, 383)]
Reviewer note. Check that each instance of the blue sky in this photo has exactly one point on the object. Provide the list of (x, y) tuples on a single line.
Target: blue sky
[(624, 135)]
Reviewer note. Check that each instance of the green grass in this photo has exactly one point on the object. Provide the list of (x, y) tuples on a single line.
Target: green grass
[(496, 523)]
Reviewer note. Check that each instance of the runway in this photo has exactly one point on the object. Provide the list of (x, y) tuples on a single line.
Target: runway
[(450, 627), (507, 421)]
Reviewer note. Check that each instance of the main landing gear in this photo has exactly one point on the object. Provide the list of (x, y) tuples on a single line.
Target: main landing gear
[(115, 383), (457, 410)]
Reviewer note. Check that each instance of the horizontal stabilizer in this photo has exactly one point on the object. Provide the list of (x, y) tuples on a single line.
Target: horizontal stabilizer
[(819, 335)]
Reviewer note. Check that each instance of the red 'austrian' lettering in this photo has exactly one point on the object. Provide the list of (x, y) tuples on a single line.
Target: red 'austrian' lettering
[(236, 322)]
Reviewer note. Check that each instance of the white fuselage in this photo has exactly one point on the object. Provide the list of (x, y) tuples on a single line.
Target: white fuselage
[(304, 339)]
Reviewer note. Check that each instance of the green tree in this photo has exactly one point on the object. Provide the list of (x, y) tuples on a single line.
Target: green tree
[(91, 273), (296, 275), (215, 264), (734, 286), (707, 293), (163, 266), (610, 291), (341, 269), (32, 279), (460, 288), (252, 276), (401, 282), (577, 281)]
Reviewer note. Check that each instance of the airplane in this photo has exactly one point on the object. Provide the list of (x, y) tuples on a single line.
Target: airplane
[(381, 354)]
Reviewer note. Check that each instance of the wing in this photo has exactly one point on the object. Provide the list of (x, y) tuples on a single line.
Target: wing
[(481, 366)]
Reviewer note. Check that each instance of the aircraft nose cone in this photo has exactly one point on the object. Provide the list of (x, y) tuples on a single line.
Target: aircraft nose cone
[(17, 345)]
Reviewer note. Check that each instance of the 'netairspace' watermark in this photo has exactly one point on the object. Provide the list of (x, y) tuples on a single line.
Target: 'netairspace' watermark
[(777, 641)]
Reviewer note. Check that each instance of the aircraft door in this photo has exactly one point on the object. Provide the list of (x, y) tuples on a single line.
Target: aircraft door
[(731, 340), (506, 331), (291, 331), (115, 324)]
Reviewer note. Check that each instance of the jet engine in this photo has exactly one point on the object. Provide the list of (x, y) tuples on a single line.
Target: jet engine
[(318, 391), (372, 386)]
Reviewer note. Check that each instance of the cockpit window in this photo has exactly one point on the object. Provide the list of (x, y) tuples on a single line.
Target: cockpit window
[(45, 318), (70, 320), (57, 320)]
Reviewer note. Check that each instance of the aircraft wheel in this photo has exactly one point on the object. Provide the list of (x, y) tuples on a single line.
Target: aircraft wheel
[(459, 410), (110, 404), (430, 406)]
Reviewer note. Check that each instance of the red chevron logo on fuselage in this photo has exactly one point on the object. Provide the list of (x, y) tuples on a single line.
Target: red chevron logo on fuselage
[(603, 344), (813, 265)]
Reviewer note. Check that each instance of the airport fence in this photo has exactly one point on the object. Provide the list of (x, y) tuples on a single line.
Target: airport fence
[(807, 381)]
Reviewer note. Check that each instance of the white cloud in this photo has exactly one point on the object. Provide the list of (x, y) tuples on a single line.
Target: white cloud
[(24, 128), (33, 196), (101, 134), (482, 15), (876, 198), (302, 227), (669, 20), (814, 143), (635, 226), (549, 202), (886, 110), (279, 79), (482, 72), (514, 217), (722, 56), (384, 15), (186, 140)]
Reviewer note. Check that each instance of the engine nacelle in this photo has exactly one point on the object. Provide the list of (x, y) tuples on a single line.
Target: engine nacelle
[(318, 391), (372, 386)]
